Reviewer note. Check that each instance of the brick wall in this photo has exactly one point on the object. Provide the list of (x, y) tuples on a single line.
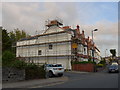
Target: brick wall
[(83, 67)]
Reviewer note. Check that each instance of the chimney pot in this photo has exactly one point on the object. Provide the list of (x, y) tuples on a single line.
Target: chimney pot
[(88, 37), (78, 27), (83, 31)]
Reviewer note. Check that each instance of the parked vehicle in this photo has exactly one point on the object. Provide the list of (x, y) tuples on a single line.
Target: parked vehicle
[(113, 68), (114, 63), (54, 70)]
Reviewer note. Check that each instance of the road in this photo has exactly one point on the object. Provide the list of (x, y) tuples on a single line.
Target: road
[(89, 80)]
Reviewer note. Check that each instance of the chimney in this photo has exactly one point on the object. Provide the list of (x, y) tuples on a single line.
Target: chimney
[(83, 32), (78, 27), (66, 27), (88, 38)]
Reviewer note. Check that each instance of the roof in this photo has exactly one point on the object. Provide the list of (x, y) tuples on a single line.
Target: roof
[(36, 36), (30, 38)]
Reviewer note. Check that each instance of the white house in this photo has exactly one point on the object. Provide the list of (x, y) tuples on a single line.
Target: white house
[(56, 45), (53, 46)]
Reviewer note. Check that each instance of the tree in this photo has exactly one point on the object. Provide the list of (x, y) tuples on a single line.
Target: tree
[(12, 36), (6, 42), (113, 52), (7, 58), (16, 35), (23, 34)]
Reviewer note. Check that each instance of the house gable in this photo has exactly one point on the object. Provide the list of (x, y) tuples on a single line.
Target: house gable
[(53, 29)]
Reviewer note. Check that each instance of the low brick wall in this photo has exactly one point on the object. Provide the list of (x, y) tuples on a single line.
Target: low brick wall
[(83, 67), (12, 74)]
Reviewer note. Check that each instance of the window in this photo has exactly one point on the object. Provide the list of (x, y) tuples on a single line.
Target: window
[(50, 46), (39, 52), (84, 50)]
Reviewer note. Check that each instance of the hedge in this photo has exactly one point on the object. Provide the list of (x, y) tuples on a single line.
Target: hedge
[(32, 71)]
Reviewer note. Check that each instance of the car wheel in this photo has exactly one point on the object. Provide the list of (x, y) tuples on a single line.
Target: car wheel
[(60, 75), (50, 74)]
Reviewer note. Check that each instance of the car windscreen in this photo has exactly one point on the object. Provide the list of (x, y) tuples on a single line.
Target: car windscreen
[(113, 66), (53, 65), (57, 65)]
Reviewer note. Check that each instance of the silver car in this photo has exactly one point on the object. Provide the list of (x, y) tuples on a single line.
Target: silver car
[(54, 70), (113, 68)]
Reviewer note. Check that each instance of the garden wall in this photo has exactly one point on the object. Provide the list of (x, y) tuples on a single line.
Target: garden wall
[(12, 74), (88, 67)]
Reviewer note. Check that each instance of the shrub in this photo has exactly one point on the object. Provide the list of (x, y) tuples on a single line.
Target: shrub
[(31, 66), (19, 64), (100, 65), (90, 58), (7, 58), (34, 72), (102, 62)]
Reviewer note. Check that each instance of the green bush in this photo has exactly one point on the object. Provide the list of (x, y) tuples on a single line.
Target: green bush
[(19, 64), (31, 66), (7, 58), (100, 65), (34, 72)]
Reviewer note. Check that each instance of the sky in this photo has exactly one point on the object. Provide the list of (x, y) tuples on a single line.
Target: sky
[(31, 17)]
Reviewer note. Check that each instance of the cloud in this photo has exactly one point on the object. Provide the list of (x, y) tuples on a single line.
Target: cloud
[(107, 35), (32, 16)]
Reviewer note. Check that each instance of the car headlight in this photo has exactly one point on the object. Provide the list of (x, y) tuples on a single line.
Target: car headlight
[(116, 69)]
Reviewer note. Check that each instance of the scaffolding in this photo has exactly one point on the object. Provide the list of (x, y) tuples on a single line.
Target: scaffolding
[(28, 48), (65, 45)]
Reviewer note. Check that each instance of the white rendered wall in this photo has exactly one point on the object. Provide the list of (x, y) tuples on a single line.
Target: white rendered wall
[(58, 49), (44, 41)]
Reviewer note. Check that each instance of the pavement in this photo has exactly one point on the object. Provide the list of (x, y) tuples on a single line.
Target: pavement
[(35, 83), (78, 72), (38, 83)]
